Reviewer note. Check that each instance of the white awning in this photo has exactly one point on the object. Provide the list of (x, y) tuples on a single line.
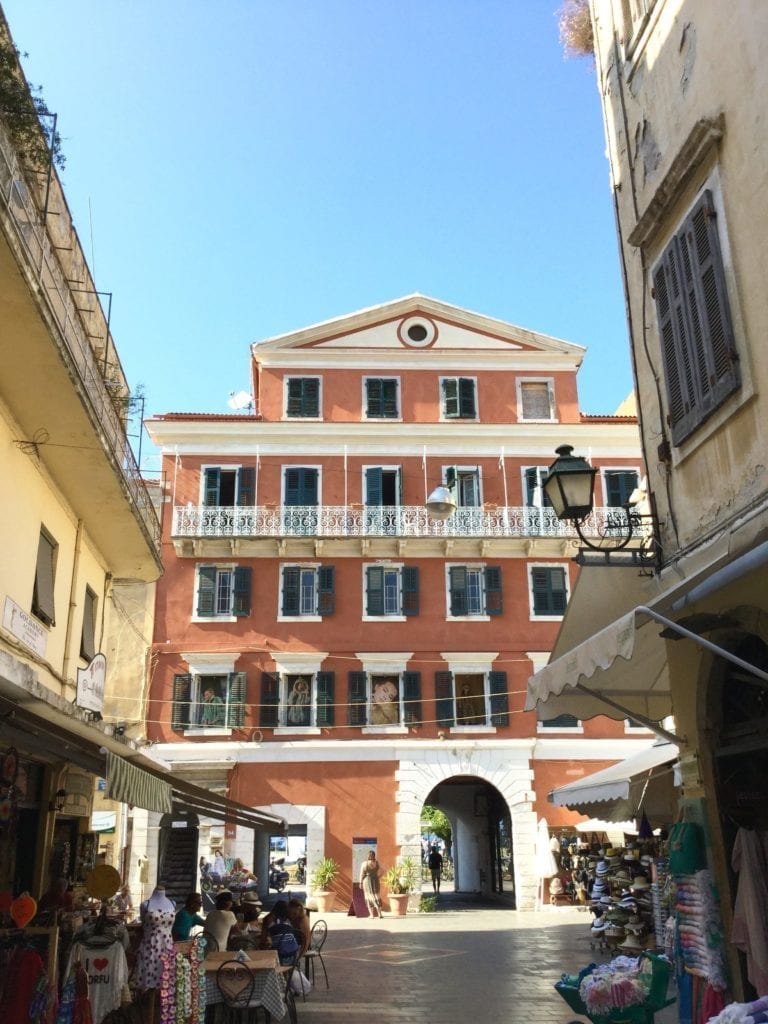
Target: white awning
[(620, 672), (643, 781)]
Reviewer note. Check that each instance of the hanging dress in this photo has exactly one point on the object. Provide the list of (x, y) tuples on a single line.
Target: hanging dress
[(156, 939)]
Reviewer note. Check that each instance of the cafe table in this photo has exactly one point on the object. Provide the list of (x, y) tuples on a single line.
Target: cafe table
[(269, 986)]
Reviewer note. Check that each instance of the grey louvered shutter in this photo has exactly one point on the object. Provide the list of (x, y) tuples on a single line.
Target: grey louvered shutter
[(326, 598), (246, 490), (374, 397), (182, 701), (374, 590), (311, 397), (466, 398), (412, 697), (270, 700), (357, 699), (211, 486), (241, 604), (493, 592), (444, 698), (410, 578), (389, 398), (373, 486), (206, 590), (450, 397), (457, 576), (325, 698), (236, 707), (497, 685), (548, 586), (291, 581)]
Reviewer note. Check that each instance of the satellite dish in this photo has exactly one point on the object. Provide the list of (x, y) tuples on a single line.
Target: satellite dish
[(240, 400)]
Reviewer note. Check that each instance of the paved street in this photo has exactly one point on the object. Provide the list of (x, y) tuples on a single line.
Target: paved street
[(464, 964)]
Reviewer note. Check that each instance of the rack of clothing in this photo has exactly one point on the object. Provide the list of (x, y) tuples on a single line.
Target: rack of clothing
[(99, 947)]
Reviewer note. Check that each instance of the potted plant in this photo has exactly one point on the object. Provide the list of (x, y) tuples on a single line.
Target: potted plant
[(323, 876), (401, 880)]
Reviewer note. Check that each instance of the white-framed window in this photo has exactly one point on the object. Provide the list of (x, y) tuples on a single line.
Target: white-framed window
[(222, 591), (473, 591), (470, 695), (390, 591), (381, 398), (534, 478), (303, 397), (306, 591), (384, 696), (618, 485), (210, 698), (298, 696), (465, 482), (536, 399), (227, 486), (549, 589), (88, 631), (458, 398), (631, 727), (562, 723), (43, 607)]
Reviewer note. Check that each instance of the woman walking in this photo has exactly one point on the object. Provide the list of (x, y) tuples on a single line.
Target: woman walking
[(369, 879)]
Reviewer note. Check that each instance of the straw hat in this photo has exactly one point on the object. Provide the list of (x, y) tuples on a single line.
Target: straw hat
[(640, 882), (250, 897), (631, 943)]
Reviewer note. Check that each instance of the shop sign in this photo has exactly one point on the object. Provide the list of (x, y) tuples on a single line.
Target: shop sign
[(90, 684), (25, 627)]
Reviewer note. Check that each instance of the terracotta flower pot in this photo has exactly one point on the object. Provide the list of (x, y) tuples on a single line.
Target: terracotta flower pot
[(398, 903), (325, 901)]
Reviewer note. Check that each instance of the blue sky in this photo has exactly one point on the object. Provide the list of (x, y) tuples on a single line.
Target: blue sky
[(245, 168)]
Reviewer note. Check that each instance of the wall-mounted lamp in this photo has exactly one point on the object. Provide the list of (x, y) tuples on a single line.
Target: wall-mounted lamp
[(59, 801), (570, 488), (441, 504)]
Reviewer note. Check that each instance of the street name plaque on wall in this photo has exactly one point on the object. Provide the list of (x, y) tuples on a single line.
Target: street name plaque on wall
[(25, 627)]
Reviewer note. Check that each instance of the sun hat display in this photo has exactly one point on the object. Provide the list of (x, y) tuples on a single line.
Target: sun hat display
[(640, 882), (631, 942)]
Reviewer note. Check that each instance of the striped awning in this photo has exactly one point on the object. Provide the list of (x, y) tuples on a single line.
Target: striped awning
[(129, 784)]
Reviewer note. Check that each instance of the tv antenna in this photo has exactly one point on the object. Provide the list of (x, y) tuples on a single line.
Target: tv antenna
[(240, 400)]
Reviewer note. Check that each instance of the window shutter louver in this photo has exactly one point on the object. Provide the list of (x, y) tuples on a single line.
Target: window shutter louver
[(325, 698), (412, 697), (291, 581), (236, 708), (293, 490), (212, 486), (466, 398), (497, 685), (410, 590), (374, 400), (357, 699), (270, 700), (374, 590), (181, 705), (326, 590), (389, 399), (444, 698), (374, 486), (311, 399), (241, 604), (451, 397), (457, 576), (247, 486), (206, 590), (493, 592)]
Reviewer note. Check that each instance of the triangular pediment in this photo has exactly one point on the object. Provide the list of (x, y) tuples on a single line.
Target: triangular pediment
[(439, 327)]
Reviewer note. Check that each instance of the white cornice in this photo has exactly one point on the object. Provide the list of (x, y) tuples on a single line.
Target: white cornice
[(400, 359)]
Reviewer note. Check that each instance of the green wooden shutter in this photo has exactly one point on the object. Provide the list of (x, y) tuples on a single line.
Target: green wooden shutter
[(549, 594), (619, 485), (412, 697), (497, 685), (389, 398), (206, 590), (212, 486), (410, 590), (326, 598), (242, 597), (246, 490), (374, 590), (270, 700), (236, 707), (325, 698), (444, 698), (291, 582), (357, 699), (182, 701), (450, 397), (374, 486), (311, 397), (293, 487), (493, 592), (457, 576), (374, 397), (466, 398)]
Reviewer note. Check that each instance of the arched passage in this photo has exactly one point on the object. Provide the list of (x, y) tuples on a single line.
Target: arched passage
[(485, 794)]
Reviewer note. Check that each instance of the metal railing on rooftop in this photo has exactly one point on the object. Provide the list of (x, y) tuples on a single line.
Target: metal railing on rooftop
[(44, 264)]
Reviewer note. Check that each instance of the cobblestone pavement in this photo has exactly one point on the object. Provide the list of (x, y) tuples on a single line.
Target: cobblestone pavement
[(467, 963)]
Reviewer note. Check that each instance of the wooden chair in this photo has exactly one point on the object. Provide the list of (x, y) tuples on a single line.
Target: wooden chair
[(314, 951), (211, 943)]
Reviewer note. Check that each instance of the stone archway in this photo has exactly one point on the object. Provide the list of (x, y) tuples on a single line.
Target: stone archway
[(511, 776)]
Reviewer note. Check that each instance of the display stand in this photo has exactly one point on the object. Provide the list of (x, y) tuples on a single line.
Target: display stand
[(45, 941)]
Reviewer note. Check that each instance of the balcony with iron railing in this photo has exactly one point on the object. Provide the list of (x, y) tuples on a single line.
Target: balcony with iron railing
[(350, 521), (39, 251)]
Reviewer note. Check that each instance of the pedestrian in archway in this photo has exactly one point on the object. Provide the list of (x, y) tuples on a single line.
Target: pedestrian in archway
[(435, 864)]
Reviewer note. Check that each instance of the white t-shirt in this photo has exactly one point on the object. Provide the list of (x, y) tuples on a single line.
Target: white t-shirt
[(220, 923)]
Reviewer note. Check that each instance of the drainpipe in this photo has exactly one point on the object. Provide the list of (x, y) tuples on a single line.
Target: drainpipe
[(72, 605)]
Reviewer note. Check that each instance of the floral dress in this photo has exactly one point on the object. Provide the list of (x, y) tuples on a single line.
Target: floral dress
[(156, 940)]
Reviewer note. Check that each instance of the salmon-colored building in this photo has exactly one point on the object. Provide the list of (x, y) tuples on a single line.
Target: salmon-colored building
[(327, 650)]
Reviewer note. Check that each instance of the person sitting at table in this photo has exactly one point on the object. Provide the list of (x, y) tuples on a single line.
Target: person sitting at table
[(284, 939), (297, 915), (188, 917), (220, 922)]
